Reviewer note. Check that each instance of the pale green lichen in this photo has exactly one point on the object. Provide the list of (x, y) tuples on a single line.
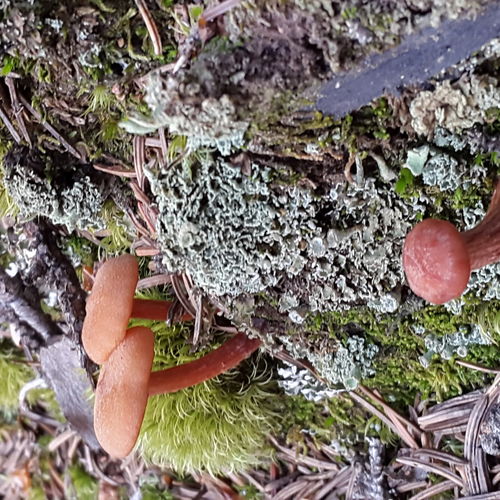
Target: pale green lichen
[(295, 381), (345, 367), (441, 171), (458, 343), (230, 231), (211, 122), (76, 206), (67, 196), (454, 107), (236, 233)]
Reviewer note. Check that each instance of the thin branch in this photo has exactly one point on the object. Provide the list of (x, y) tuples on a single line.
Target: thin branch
[(151, 27), (12, 296), (153, 281), (217, 10), (10, 127), (115, 170), (477, 367), (50, 128), (435, 469), (394, 415), (405, 436), (18, 110), (436, 489)]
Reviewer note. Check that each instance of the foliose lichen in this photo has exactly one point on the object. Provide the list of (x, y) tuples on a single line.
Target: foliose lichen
[(455, 106), (210, 122), (236, 233), (345, 367), (230, 231), (456, 343), (297, 381), (71, 197)]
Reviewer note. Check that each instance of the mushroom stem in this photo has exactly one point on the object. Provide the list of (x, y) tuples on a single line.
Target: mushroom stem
[(227, 356), (156, 310), (483, 241)]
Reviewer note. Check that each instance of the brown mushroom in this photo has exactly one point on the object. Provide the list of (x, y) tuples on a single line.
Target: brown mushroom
[(438, 259), (122, 392), (111, 305), (126, 380)]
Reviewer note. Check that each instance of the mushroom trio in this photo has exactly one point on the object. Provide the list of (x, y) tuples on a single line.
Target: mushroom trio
[(438, 259), (126, 381)]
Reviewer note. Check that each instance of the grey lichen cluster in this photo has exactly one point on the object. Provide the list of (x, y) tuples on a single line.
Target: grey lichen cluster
[(210, 122), (230, 231), (238, 233), (295, 381), (73, 199), (453, 344), (455, 107), (345, 367), (354, 258), (485, 282), (436, 167)]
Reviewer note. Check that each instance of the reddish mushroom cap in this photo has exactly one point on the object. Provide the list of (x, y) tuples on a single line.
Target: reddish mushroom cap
[(122, 392), (109, 307), (436, 261)]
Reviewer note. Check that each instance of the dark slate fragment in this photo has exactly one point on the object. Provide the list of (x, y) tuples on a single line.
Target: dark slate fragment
[(414, 61), (63, 370)]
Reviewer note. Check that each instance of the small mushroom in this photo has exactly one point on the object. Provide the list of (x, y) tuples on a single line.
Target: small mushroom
[(438, 259), (111, 305), (126, 381), (122, 392)]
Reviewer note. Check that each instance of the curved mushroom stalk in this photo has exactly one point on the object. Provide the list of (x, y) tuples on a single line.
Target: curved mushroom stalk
[(438, 259), (483, 241), (227, 356), (157, 310)]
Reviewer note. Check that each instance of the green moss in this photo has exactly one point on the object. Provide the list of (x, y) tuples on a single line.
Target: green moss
[(7, 205), (119, 238), (14, 374), (219, 425), (85, 486), (151, 492), (395, 334), (404, 184)]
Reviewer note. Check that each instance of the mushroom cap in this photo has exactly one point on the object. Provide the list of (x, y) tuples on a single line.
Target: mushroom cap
[(122, 392), (109, 307), (436, 261)]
